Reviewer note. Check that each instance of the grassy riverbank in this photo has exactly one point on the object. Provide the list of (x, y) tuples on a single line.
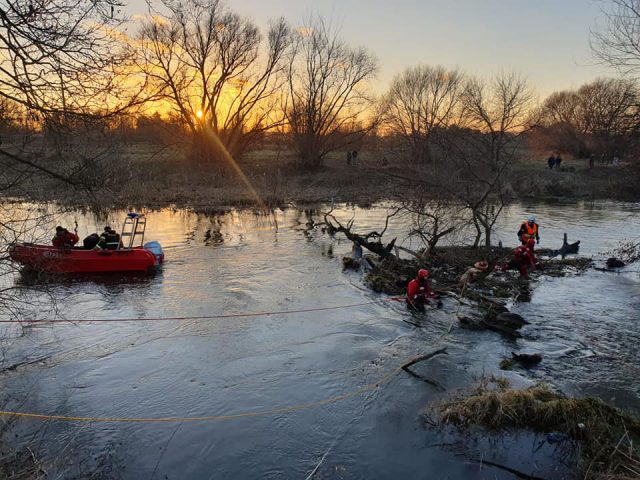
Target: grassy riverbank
[(146, 175), (606, 436)]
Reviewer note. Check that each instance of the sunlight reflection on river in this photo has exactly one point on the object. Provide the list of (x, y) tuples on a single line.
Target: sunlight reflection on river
[(585, 326)]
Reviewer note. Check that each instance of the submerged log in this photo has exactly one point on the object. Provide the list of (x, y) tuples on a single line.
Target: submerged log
[(503, 329), (511, 320), (614, 263), (567, 248), (422, 358), (475, 323), (527, 359)]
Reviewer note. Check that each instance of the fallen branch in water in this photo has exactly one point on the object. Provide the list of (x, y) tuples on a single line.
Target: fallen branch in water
[(425, 379), (422, 358), (372, 241), (517, 473)]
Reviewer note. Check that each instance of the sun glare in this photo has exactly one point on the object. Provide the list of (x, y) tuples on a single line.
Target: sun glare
[(199, 114)]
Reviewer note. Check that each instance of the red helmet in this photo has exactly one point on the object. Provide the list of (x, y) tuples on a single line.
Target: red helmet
[(531, 243), (423, 273)]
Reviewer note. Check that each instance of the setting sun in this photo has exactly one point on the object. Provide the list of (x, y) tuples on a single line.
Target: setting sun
[(199, 114)]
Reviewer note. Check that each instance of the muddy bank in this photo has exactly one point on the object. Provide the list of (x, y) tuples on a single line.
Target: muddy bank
[(482, 294), (577, 181), (447, 265)]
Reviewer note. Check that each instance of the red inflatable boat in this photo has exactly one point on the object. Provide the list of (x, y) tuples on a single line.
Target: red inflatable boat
[(51, 259), (126, 257)]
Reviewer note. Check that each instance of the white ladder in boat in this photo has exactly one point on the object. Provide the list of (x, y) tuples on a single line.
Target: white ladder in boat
[(133, 229)]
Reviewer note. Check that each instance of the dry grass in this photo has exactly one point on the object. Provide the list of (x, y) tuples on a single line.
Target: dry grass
[(157, 176), (608, 438)]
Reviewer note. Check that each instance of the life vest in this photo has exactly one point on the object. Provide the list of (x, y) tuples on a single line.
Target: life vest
[(112, 241), (529, 231)]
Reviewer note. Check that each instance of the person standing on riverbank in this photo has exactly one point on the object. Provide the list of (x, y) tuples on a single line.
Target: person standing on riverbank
[(419, 292), (529, 230)]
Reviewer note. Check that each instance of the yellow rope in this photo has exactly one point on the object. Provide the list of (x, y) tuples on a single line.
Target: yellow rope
[(211, 418), (293, 408)]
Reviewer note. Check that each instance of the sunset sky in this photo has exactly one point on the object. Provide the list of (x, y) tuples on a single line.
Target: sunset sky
[(546, 40)]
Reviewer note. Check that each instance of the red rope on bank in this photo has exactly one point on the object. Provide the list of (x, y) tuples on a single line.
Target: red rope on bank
[(201, 317)]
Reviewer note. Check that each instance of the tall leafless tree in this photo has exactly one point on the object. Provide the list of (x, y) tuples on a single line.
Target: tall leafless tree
[(432, 218), (616, 42), (497, 113), (60, 68), (600, 116), (328, 103), (62, 65), (421, 101), (217, 72)]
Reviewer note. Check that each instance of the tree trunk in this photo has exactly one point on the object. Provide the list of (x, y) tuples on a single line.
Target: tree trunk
[(476, 242)]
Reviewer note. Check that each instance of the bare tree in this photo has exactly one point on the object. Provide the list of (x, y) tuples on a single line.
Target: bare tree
[(421, 101), (60, 56), (214, 69), (432, 219), (617, 41), (497, 113), (62, 66), (328, 106), (600, 116)]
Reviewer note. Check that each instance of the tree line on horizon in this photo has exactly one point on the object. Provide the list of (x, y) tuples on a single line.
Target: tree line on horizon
[(68, 72), (75, 86)]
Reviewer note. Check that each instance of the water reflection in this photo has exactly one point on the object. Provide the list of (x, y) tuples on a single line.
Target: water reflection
[(583, 325)]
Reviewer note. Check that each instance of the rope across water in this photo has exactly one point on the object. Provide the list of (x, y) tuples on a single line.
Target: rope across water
[(209, 418)]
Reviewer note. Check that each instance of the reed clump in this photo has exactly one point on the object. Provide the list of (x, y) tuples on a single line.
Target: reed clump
[(608, 438)]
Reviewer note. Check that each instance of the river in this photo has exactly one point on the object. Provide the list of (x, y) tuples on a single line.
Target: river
[(324, 363)]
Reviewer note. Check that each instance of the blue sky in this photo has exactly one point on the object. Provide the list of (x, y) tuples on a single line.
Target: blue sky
[(545, 40)]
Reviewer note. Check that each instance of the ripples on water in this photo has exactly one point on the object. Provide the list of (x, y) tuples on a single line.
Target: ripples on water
[(585, 325)]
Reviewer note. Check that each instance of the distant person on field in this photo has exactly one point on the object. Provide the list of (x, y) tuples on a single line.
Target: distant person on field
[(64, 238), (592, 160), (349, 158), (558, 161), (354, 155), (551, 161)]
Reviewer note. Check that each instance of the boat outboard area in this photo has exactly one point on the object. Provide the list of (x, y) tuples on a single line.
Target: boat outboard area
[(156, 249), (109, 252)]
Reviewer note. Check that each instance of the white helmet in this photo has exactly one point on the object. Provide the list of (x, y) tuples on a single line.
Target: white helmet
[(532, 218)]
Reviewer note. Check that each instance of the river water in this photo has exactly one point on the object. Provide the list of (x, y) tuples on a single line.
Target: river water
[(230, 368)]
